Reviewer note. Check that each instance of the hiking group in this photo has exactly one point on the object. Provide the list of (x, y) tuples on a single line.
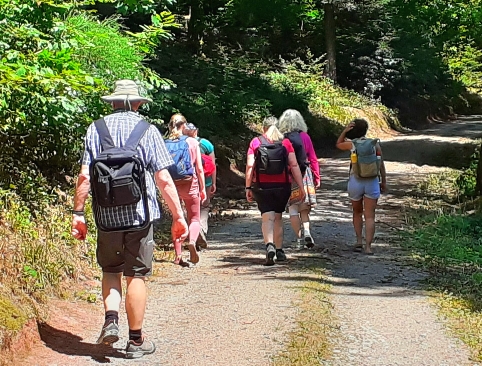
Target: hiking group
[(125, 158)]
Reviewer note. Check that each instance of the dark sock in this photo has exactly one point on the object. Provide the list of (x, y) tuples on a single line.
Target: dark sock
[(267, 245), (112, 316), (135, 335), (279, 249)]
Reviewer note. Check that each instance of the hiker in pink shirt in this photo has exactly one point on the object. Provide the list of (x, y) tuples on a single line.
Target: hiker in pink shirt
[(293, 126)]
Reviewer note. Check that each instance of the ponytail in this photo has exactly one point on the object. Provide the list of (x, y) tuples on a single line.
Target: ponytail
[(274, 134), (176, 121)]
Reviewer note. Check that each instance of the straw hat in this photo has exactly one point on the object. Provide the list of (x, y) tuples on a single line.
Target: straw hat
[(126, 90)]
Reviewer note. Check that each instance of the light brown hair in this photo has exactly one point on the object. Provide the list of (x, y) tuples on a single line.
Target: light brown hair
[(176, 121)]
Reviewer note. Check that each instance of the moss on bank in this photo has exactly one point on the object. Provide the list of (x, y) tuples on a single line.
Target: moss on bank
[(12, 318)]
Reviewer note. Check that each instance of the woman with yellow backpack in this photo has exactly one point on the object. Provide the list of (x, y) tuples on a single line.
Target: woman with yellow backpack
[(367, 178)]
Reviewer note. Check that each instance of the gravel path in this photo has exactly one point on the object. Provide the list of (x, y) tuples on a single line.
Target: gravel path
[(228, 310), (231, 310), (384, 317)]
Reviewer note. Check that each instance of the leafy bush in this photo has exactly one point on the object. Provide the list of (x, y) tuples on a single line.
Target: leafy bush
[(56, 63), (231, 94), (103, 50), (467, 180)]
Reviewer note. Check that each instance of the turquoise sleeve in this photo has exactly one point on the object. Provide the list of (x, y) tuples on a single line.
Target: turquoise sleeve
[(206, 146)]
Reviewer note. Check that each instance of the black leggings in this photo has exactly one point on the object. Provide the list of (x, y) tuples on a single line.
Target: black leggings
[(272, 196)]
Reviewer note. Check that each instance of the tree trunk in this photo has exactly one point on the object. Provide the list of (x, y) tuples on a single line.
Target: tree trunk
[(195, 27), (330, 40)]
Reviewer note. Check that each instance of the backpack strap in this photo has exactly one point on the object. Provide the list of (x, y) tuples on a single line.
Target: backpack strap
[(352, 151), (353, 148), (263, 140), (287, 174), (105, 138), (137, 134)]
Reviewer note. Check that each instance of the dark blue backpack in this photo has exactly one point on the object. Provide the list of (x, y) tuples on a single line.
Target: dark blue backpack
[(299, 147), (179, 150)]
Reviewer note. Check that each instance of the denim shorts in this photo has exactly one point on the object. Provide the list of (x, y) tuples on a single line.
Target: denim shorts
[(363, 187)]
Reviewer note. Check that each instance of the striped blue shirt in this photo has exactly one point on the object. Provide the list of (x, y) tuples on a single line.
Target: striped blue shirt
[(154, 154)]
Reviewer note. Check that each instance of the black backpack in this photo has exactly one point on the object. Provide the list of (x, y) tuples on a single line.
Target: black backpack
[(118, 176), (271, 158), (299, 148)]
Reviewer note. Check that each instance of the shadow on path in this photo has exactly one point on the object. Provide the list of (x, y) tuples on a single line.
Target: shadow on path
[(62, 341)]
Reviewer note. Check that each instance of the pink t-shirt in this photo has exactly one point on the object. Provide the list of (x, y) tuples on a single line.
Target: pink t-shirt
[(311, 156), (280, 178)]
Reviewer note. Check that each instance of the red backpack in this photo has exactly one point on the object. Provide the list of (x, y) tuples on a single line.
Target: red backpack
[(208, 165)]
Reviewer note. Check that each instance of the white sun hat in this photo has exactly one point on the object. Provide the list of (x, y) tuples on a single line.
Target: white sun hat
[(126, 90)]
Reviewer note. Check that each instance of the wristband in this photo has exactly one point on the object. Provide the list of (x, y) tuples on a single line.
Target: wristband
[(77, 213)]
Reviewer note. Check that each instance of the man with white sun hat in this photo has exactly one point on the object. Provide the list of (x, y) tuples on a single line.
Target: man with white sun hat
[(127, 252)]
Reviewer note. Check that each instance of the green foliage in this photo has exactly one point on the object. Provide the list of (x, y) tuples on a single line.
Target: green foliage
[(455, 240), (416, 56), (38, 257), (324, 98), (149, 38), (467, 180), (264, 14), (102, 50), (233, 96), (465, 64), (126, 7), (56, 63)]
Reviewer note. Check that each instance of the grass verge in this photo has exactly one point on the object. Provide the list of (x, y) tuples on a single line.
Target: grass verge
[(449, 247), (309, 342)]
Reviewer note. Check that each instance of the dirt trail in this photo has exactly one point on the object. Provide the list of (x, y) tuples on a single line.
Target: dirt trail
[(384, 317), (231, 310)]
